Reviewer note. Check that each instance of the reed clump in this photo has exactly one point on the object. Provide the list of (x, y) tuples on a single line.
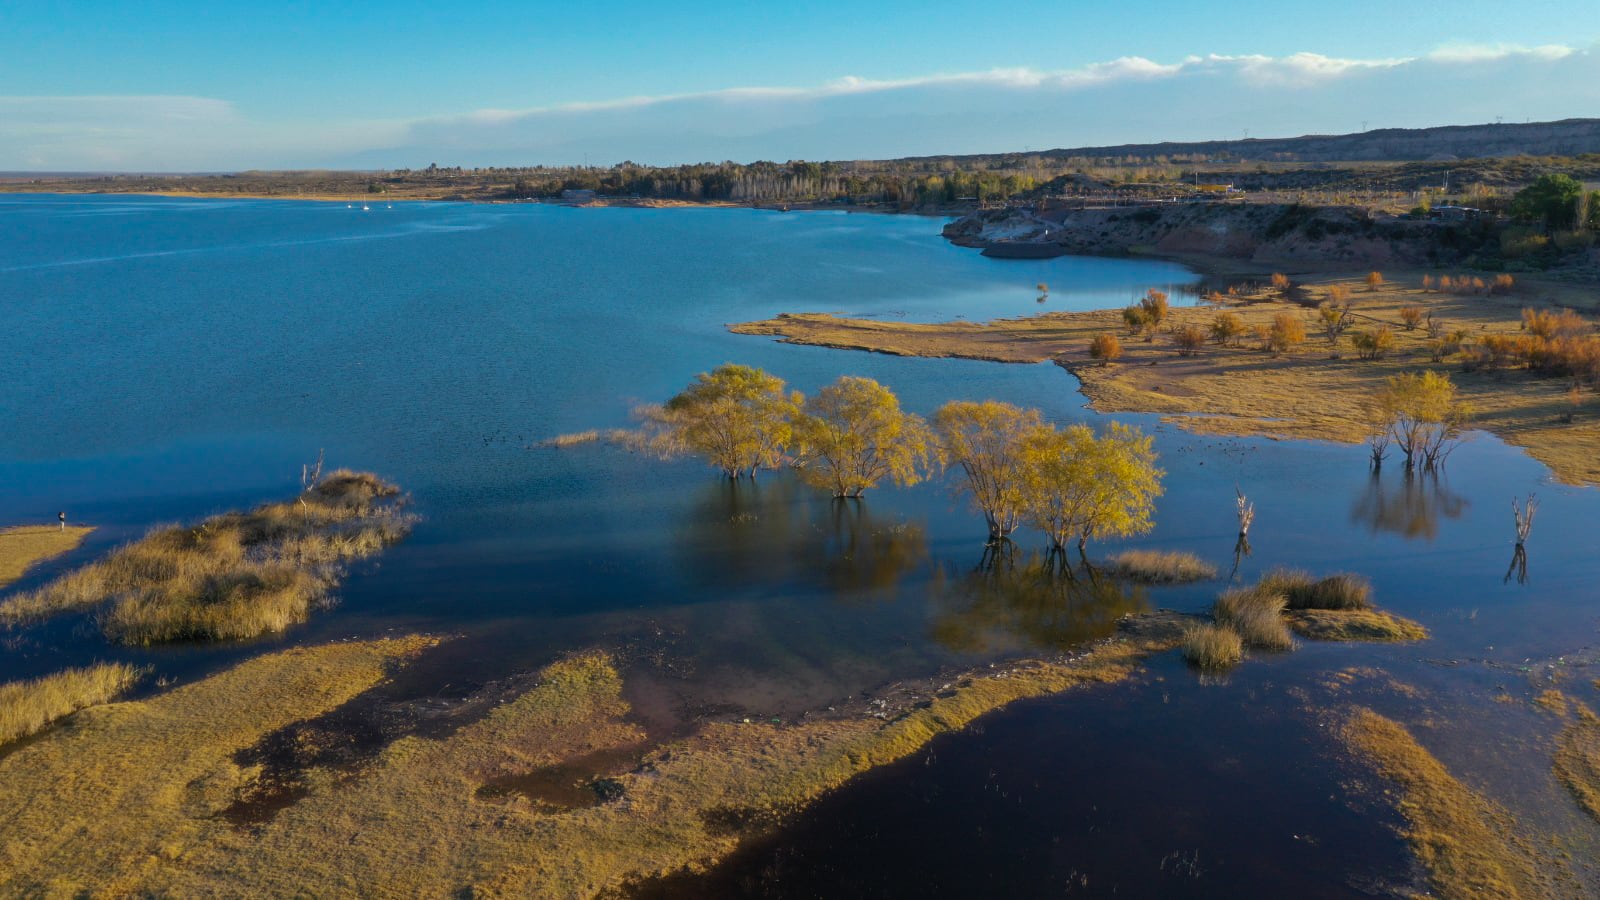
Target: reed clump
[(1212, 647), (1302, 591), (235, 575), (1256, 615), (1161, 567), (28, 707)]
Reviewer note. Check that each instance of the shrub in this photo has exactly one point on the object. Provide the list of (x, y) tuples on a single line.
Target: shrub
[(1212, 647), (1373, 343), (1411, 316), (1134, 318), (28, 707), (1287, 331), (1546, 324), (1338, 294), (1189, 338), (1154, 306), (1280, 283), (1105, 346), (1503, 284), (1427, 283), (1226, 327), (1374, 280), (1256, 614), (1157, 567)]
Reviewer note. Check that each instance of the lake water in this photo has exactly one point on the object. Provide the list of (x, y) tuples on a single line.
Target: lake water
[(165, 359)]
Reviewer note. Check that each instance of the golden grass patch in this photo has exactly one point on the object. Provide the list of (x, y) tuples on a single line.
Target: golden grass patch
[(1161, 567), (1256, 615), (1577, 763), (132, 791), (22, 546), (235, 575), (123, 789), (1353, 625), (28, 707), (1467, 843), (1212, 647), (1305, 393)]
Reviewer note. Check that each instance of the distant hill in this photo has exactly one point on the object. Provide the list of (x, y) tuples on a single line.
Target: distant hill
[(1568, 137)]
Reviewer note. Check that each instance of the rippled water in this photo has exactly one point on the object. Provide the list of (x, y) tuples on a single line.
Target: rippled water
[(165, 359)]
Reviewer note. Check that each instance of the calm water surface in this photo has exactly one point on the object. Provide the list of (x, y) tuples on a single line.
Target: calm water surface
[(165, 359)]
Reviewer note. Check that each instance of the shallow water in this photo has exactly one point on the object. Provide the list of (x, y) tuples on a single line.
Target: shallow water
[(165, 359)]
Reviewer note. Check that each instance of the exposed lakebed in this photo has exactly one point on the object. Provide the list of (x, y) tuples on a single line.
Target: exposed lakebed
[(171, 358)]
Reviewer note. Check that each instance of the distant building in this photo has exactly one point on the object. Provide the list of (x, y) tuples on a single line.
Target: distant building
[(577, 195)]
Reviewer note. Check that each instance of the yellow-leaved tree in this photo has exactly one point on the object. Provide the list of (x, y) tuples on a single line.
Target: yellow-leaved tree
[(1079, 485), (989, 440), (852, 434), (739, 418), (1423, 416)]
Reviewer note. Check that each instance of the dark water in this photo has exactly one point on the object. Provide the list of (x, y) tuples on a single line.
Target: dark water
[(165, 359)]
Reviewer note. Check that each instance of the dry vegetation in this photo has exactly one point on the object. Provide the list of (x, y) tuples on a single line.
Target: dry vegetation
[(1578, 760), (1308, 390), (28, 707), (127, 800), (1468, 843), (1334, 608), (22, 546), (1161, 567), (235, 575)]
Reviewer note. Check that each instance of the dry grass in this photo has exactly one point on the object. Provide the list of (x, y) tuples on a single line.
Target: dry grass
[(1354, 625), (1302, 591), (94, 807), (23, 545), (28, 707), (126, 801), (236, 575), (1577, 763), (1158, 567), (1236, 390), (1467, 843), (1256, 615), (1212, 647)]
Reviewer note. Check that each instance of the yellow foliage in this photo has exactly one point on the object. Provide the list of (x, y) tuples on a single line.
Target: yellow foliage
[(739, 418), (989, 440), (853, 434)]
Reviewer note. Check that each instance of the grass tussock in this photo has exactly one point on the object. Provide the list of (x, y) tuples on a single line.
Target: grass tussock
[(1468, 844), (1354, 625), (1161, 567), (171, 766), (1212, 647), (28, 707), (1256, 615), (1302, 591), (22, 546), (1577, 763), (235, 575), (621, 436)]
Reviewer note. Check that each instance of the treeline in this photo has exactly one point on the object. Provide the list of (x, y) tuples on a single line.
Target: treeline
[(765, 182)]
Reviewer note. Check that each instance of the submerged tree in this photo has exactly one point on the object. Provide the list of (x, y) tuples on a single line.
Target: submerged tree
[(1424, 417), (739, 418), (1080, 486), (990, 441), (853, 434)]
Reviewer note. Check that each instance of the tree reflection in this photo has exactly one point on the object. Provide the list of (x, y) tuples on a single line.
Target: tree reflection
[(1411, 507), (1035, 602), (778, 532)]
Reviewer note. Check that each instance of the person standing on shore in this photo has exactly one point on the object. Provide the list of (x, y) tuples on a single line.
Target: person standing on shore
[(62, 516)]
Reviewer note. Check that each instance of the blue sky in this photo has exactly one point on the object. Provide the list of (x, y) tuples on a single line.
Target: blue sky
[(185, 86)]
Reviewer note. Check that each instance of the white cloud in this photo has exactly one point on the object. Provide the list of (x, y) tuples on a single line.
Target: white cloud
[(1129, 99)]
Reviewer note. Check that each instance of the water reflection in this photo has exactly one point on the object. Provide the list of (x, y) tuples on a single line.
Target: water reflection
[(1410, 507), (777, 531), (1032, 603)]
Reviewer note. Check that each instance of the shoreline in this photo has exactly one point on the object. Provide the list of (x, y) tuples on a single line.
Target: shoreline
[(1312, 392)]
